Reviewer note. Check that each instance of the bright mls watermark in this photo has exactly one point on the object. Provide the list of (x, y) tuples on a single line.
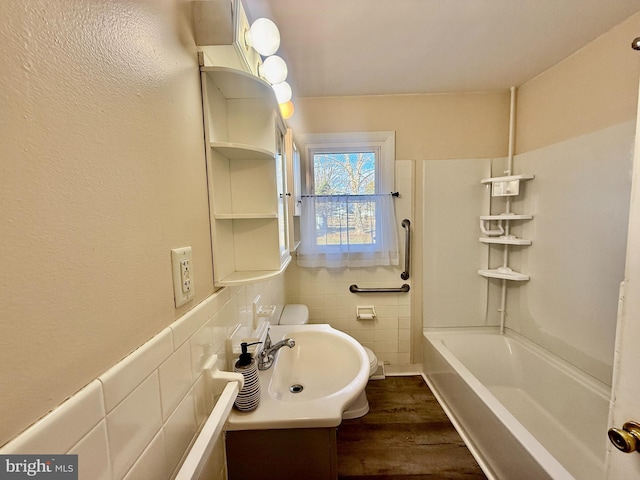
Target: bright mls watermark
[(46, 467)]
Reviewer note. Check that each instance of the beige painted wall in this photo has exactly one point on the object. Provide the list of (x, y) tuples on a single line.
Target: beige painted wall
[(473, 125), (595, 88), (102, 172), (440, 127)]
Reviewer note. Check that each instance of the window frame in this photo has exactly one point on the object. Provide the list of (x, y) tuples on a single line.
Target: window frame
[(382, 144)]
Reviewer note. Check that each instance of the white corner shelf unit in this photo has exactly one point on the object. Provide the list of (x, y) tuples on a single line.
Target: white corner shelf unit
[(496, 228), (246, 176)]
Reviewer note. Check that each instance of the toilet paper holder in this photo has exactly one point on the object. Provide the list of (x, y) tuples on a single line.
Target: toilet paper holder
[(364, 312)]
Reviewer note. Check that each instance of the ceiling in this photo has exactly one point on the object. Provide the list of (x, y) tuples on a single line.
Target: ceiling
[(381, 47)]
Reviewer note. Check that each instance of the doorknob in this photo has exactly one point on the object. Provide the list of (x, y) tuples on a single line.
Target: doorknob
[(626, 440)]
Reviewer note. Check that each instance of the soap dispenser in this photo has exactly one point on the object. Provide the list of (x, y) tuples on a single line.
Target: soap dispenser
[(249, 397)]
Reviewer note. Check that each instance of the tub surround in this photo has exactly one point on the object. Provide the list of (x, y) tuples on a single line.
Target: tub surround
[(520, 409), (592, 221), (575, 132), (580, 202)]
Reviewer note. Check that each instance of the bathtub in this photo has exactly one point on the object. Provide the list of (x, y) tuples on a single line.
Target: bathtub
[(524, 413)]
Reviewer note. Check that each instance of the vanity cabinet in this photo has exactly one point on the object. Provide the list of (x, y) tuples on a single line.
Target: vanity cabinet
[(245, 136), (285, 454)]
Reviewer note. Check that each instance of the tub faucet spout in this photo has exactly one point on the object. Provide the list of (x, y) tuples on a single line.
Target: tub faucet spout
[(268, 353)]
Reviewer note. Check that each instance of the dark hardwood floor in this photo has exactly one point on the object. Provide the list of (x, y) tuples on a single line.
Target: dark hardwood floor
[(405, 436)]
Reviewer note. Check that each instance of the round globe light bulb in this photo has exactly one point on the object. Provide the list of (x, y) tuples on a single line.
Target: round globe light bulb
[(286, 109), (264, 37), (274, 69), (283, 92)]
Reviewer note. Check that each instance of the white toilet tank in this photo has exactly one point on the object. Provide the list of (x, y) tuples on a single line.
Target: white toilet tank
[(294, 314), (298, 314)]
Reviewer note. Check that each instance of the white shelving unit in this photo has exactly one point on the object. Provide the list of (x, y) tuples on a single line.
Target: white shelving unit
[(506, 186), (246, 176)]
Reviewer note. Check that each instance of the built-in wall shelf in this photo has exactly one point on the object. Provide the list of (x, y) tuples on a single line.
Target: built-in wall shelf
[(239, 151), (242, 278), (505, 240), (505, 274), (234, 84), (245, 171)]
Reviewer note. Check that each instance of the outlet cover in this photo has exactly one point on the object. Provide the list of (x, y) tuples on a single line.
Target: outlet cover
[(183, 280)]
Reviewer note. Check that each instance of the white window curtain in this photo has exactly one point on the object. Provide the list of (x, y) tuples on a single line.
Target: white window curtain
[(348, 231)]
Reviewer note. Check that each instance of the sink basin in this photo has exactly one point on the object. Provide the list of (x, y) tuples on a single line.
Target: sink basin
[(310, 384), (320, 366)]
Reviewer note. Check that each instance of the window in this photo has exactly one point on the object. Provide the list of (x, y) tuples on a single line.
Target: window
[(347, 212), (343, 182)]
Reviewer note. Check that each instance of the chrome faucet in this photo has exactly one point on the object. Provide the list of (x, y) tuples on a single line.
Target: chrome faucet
[(268, 353)]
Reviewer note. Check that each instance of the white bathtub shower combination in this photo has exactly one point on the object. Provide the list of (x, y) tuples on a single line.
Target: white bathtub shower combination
[(524, 413)]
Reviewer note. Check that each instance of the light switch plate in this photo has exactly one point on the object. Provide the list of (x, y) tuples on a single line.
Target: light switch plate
[(182, 266)]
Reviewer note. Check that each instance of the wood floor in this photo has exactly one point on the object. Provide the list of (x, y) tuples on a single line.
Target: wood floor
[(405, 436)]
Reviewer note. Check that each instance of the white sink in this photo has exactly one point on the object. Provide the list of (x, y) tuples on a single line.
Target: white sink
[(310, 384)]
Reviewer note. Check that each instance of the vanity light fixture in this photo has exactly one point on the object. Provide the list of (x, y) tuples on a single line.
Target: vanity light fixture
[(283, 92), (263, 36), (286, 109), (274, 69)]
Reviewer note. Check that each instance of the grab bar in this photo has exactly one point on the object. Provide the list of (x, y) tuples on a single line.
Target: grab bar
[(406, 224), (356, 289)]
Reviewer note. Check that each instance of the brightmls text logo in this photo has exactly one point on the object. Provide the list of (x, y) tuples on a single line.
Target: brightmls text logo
[(44, 467)]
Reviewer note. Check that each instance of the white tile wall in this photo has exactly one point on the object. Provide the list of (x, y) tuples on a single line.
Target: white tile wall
[(137, 420), (133, 423), (93, 453), (62, 428), (326, 291), (175, 379), (179, 429), (152, 464)]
